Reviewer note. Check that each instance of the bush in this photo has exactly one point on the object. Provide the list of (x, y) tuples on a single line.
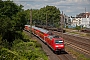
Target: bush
[(5, 44), (78, 28), (22, 50), (38, 45), (28, 50), (35, 41), (0, 39), (6, 54)]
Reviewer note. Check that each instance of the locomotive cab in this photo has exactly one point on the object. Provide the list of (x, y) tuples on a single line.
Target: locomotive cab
[(58, 44)]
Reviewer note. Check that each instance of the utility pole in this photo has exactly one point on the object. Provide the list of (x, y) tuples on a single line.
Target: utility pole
[(30, 23), (46, 19), (61, 18), (38, 18)]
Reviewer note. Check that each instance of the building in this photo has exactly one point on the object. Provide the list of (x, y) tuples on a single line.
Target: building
[(83, 15), (83, 20), (66, 21)]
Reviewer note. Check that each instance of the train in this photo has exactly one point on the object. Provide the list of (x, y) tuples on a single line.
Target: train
[(55, 42)]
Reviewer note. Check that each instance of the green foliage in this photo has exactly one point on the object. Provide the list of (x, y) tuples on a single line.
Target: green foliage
[(52, 15), (29, 50), (6, 54), (66, 26), (22, 50), (39, 16), (38, 45), (0, 39), (5, 44), (78, 28), (27, 12), (12, 19)]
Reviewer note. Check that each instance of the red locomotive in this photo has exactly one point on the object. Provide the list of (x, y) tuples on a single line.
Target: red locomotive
[(27, 27), (53, 41)]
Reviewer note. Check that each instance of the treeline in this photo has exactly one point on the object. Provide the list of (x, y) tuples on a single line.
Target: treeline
[(48, 15)]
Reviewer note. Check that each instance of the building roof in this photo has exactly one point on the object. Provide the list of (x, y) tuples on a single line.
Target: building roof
[(84, 15)]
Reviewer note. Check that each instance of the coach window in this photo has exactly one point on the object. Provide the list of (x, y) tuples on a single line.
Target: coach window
[(41, 32), (50, 37)]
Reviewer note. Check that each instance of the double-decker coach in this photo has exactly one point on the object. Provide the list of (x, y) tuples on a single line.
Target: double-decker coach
[(43, 34), (35, 30)]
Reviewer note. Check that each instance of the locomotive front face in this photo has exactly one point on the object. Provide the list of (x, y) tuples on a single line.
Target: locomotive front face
[(59, 45)]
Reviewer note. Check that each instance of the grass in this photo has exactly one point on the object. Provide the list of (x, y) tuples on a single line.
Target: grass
[(76, 54)]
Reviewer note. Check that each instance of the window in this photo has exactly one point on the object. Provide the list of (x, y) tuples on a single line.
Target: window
[(50, 37), (55, 36), (58, 41)]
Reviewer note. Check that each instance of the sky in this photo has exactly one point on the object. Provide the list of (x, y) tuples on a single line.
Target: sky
[(69, 7)]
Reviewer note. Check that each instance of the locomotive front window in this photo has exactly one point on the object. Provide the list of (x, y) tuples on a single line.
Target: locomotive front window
[(58, 41)]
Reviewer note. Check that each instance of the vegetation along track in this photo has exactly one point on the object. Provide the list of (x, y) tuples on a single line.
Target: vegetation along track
[(79, 43)]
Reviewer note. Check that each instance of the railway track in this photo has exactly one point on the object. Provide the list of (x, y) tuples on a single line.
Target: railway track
[(63, 57), (79, 38), (77, 43), (51, 55), (78, 48)]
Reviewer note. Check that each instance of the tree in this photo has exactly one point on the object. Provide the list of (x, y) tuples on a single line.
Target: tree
[(39, 15), (78, 27), (12, 19), (35, 16), (53, 14)]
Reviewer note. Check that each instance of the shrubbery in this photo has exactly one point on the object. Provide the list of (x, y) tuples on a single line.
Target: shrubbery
[(29, 50), (6, 54), (23, 50)]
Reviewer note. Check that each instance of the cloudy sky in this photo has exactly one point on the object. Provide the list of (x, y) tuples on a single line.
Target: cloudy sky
[(69, 7)]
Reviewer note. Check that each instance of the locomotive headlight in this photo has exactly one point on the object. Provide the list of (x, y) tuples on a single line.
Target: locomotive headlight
[(62, 45), (57, 46)]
